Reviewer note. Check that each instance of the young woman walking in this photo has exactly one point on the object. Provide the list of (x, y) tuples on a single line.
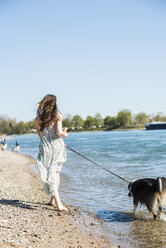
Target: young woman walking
[(52, 152)]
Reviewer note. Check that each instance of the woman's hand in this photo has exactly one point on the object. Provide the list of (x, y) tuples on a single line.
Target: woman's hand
[(61, 132), (65, 129)]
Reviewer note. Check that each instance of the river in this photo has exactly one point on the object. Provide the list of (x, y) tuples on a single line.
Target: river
[(130, 154)]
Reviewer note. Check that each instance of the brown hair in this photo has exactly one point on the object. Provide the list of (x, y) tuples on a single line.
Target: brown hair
[(47, 111)]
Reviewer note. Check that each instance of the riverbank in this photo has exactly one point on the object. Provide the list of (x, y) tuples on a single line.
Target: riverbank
[(27, 221), (117, 128), (80, 130)]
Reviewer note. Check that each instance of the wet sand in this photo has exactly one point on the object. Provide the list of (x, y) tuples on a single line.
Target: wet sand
[(27, 221)]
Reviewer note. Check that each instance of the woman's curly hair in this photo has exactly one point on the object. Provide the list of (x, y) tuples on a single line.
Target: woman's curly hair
[(47, 111)]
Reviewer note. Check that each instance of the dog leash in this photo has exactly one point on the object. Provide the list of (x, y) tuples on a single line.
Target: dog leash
[(97, 164)]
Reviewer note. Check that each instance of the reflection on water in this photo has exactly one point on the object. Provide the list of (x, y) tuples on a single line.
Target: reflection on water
[(115, 216), (132, 231), (130, 154), (148, 233)]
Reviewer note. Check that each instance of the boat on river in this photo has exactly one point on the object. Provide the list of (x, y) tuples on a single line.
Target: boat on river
[(155, 125)]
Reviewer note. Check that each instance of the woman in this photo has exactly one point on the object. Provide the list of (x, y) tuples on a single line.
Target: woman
[(52, 152)]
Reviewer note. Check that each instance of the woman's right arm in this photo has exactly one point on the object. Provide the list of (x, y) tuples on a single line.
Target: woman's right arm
[(37, 127), (59, 130)]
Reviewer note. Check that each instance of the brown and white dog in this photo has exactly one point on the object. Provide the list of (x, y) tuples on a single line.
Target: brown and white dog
[(149, 192)]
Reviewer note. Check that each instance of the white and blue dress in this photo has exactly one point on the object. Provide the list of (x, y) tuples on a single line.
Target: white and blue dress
[(52, 155)]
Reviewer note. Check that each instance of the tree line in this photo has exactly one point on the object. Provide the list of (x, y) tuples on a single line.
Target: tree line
[(124, 119), (11, 126)]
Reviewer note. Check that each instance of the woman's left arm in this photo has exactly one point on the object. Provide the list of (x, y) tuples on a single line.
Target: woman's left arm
[(59, 130)]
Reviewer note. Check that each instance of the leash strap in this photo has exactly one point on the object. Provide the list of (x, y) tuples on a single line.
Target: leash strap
[(97, 164)]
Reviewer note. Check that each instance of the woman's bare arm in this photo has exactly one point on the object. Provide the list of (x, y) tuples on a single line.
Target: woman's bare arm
[(59, 130), (37, 127)]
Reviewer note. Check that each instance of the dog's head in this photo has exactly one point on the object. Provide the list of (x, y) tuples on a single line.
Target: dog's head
[(130, 194), (130, 188)]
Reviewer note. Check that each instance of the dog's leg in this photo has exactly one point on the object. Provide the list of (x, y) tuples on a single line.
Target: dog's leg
[(159, 212), (135, 203), (160, 207), (151, 205), (153, 211)]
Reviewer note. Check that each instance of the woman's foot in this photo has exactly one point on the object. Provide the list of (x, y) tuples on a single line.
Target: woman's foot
[(51, 204), (59, 204), (52, 201), (62, 208)]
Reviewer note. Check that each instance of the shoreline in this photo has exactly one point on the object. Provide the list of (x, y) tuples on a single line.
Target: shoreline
[(11, 136), (28, 221)]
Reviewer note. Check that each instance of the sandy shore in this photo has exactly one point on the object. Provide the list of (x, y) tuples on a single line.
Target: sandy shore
[(27, 221)]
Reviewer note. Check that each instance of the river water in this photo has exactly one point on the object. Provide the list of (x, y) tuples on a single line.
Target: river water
[(130, 154)]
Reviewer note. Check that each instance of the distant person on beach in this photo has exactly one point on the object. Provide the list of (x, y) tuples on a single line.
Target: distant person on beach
[(52, 153)]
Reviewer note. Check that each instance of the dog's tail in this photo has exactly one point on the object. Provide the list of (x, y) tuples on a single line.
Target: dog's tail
[(159, 185)]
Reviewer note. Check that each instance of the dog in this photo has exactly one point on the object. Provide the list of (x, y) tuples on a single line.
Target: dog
[(149, 192)]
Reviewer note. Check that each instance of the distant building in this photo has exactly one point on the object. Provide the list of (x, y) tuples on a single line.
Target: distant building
[(33, 130)]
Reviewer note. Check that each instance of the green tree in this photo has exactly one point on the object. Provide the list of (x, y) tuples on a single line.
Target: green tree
[(89, 122), (78, 121), (141, 118), (31, 124), (99, 120), (3, 123), (124, 118), (20, 128), (159, 117), (163, 118), (111, 121), (67, 122), (107, 120)]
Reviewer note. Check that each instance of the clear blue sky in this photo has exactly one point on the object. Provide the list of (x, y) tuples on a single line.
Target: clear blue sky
[(94, 55)]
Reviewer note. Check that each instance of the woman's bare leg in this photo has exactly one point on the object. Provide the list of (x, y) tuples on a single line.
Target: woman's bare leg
[(57, 179), (52, 201), (56, 198)]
